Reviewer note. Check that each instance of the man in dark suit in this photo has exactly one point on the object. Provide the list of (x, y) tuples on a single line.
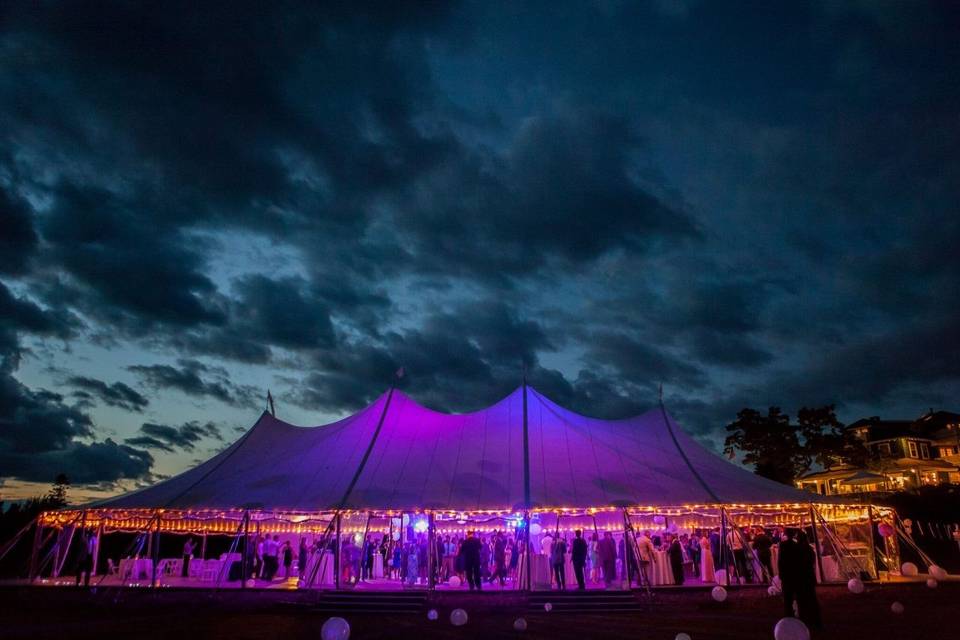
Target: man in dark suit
[(788, 569), (471, 560), (578, 554), (676, 559)]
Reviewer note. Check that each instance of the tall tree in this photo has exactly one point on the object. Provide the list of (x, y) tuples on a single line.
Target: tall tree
[(825, 442), (769, 443), (57, 497)]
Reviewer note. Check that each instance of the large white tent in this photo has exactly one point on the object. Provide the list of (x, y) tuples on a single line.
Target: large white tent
[(398, 454)]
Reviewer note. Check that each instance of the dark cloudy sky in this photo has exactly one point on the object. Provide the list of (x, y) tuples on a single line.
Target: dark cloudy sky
[(752, 203)]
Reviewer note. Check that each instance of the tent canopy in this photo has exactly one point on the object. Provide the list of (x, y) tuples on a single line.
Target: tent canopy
[(397, 454)]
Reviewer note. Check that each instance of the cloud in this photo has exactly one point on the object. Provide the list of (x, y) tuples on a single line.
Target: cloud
[(117, 394), (168, 438), (18, 238), (189, 379)]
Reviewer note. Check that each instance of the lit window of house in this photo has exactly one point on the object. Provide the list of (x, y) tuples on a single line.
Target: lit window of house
[(924, 451), (913, 448), (947, 451)]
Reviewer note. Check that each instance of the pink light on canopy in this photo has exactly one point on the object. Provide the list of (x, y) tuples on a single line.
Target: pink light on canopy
[(397, 454)]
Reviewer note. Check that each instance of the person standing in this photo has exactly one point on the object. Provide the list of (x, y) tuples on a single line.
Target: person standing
[(676, 560), (788, 569), (594, 558), (471, 549), (648, 554), (578, 555), (366, 558), (499, 559), (413, 564), (808, 608), (188, 547), (607, 552), (558, 555), (302, 559), (287, 552), (87, 547), (762, 544)]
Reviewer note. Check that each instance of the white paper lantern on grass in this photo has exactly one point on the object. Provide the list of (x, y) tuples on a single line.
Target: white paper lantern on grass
[(897, 608), (909, 569), (682, 636), (251, 583), (791, 629), (772, 591), (458, 617), (454, 581), (932, 583), (335, 629), (520, 624), (432, 614), (719, 594), (547, 607), (855, 585), (937, 572)]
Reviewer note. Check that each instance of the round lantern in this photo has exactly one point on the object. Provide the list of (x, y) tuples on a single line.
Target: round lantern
[(432, 614), (335, 629), (855, 585), (719, 594), (791, 629), (885, 529), (454, 581), (897, 608), (520, 624), (932, 583), (937, 572), (909, 569), (547, 607), (458, 617)]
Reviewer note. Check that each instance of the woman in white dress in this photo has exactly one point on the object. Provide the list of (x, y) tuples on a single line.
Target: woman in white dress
[(706, 560)]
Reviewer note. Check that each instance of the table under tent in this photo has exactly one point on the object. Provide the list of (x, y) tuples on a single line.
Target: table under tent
[(398, 475)]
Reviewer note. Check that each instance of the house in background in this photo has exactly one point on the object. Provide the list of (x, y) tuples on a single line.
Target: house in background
[(904, 454)]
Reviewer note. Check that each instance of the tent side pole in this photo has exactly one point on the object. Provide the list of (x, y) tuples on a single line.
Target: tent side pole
[(723, 545), (431, 553), (244, 566), (156, 553), (35, 550), (816, 543), (336, 554), (203, 547), (873, 544), (627, 549), (96, 547)]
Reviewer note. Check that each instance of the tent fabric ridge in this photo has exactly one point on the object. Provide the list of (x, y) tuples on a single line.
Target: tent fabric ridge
[(366, 455), (219, 464), (683, 454)]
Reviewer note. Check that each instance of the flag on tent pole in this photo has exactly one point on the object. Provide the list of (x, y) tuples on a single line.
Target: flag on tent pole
[(270, 402)]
